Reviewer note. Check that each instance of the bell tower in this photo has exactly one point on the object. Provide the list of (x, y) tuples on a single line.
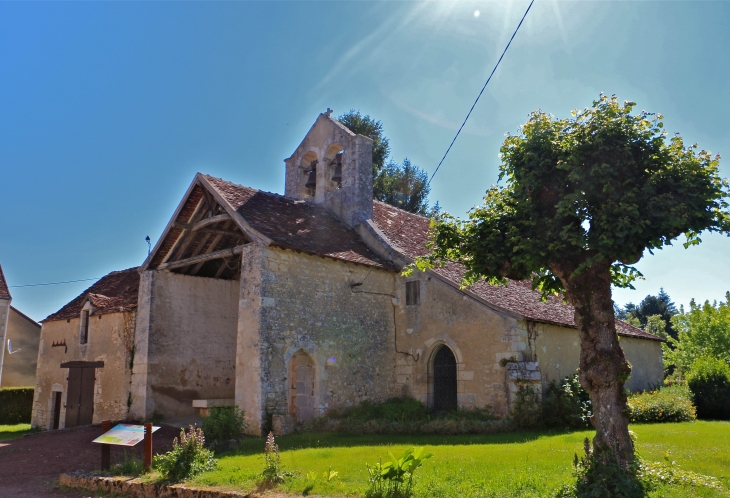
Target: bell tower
[(334, 167)]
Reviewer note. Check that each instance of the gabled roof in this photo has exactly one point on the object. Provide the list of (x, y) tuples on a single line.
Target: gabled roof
[(409, 233), (298, 225), (4, 291), (113, 293)]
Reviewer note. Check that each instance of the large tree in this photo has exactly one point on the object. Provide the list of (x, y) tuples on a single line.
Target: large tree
[(403, 185), (660, 305), (583, 198)]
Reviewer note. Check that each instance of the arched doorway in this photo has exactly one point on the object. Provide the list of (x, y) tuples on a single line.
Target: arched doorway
[(301, 387), (444, 380)]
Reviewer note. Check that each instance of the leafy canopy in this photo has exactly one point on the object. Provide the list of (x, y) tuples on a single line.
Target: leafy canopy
[(367, 126), (599, 187), (651, 309), (402, 185), (703, 331)]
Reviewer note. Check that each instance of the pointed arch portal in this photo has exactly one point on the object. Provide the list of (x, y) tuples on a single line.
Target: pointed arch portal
[(444, 380)]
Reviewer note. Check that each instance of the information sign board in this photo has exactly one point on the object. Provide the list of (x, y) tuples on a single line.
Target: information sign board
[(123, 435)]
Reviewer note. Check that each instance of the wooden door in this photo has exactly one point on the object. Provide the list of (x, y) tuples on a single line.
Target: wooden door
[(80, 397), (302, 378)]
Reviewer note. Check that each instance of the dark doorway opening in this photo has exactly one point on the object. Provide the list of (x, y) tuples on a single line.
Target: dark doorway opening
[(56, 409), (80, 397), (444, 380)]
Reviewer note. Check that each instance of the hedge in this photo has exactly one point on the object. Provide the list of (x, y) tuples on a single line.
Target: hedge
[(16, 405)]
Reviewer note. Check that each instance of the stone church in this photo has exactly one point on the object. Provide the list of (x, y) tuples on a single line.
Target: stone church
[(291, 305)]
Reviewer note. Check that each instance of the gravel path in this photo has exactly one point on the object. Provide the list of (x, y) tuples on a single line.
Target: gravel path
[(30, 466)]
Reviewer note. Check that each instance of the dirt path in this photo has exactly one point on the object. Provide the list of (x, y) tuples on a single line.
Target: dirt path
[(30, 466)]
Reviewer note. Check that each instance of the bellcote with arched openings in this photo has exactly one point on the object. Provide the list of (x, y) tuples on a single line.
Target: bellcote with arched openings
[(333, 166)]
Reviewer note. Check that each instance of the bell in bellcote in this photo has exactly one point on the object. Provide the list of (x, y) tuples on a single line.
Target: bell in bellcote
[(312, 179), (337, 177)]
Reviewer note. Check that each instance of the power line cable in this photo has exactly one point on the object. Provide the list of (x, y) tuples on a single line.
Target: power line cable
[(54, 283), (482, 91)]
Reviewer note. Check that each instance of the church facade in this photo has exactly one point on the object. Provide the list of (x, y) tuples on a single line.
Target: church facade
[(291, 305)]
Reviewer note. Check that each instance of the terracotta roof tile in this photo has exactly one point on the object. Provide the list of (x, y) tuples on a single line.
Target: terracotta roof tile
[(408, 232), (112, 293), (298, 225), (4, 291)]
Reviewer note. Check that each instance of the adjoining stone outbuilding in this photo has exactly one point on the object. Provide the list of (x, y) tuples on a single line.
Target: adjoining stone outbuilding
[(292, 305)]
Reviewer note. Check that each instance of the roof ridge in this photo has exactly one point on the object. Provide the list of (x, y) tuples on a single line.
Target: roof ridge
[(255, 189), (4, 289), (401, 209)]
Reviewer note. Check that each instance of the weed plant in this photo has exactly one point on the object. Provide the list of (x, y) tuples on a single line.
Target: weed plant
[(394, 479), (187, 458), (273, 472), (130, 466)]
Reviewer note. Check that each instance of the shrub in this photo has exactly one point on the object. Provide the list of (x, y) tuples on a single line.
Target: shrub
[(393, 410), (709, 381), (394, 479), (566, 404), (16, 405), (667, 404), (187, 458), (527, 412), (224, 423)]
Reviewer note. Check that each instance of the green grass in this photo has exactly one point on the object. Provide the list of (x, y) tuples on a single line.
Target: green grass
[(524, 464), (15, 431)]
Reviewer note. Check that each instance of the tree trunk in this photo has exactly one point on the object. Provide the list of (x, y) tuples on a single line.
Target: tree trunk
[(603, 366)]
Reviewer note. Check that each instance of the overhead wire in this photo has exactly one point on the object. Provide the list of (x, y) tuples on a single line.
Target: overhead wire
[(53, 283), (482, 91)]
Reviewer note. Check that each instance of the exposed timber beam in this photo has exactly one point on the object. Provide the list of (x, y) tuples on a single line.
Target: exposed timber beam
[(203, 257), (204, 222)]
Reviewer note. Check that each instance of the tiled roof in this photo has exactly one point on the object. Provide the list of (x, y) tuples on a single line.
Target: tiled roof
[(112, 293), (297, 225), (408, 232), (4, 291)]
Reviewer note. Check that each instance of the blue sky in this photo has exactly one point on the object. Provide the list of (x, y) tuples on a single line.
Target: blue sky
[(107, 109)]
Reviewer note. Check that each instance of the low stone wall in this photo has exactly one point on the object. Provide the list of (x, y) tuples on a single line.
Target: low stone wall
[(133, 487)]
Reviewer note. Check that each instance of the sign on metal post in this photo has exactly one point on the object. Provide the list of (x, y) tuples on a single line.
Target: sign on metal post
[(105, 448)]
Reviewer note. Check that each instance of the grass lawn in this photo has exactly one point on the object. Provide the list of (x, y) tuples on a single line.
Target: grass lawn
[(13, 431), (525, 464)]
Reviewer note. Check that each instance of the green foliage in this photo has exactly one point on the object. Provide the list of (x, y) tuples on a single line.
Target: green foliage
[(651, 313), (600, 476), (709, 380), (527, 413), (392, 410), (130, 466), (566, 404), (16, 405), (597, 188), (405, 416), (404, 186), (603, 478), (394, 479), (367, 126), (401, 185), (702, 331), (187, 458), (667, 404), (223, 423), (273, 472)]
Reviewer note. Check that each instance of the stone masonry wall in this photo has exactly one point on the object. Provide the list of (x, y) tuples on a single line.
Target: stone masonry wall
[(111, 338), (307, 304), (191, 342)]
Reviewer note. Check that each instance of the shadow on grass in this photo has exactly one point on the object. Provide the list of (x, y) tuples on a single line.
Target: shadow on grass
[(304, 440)]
